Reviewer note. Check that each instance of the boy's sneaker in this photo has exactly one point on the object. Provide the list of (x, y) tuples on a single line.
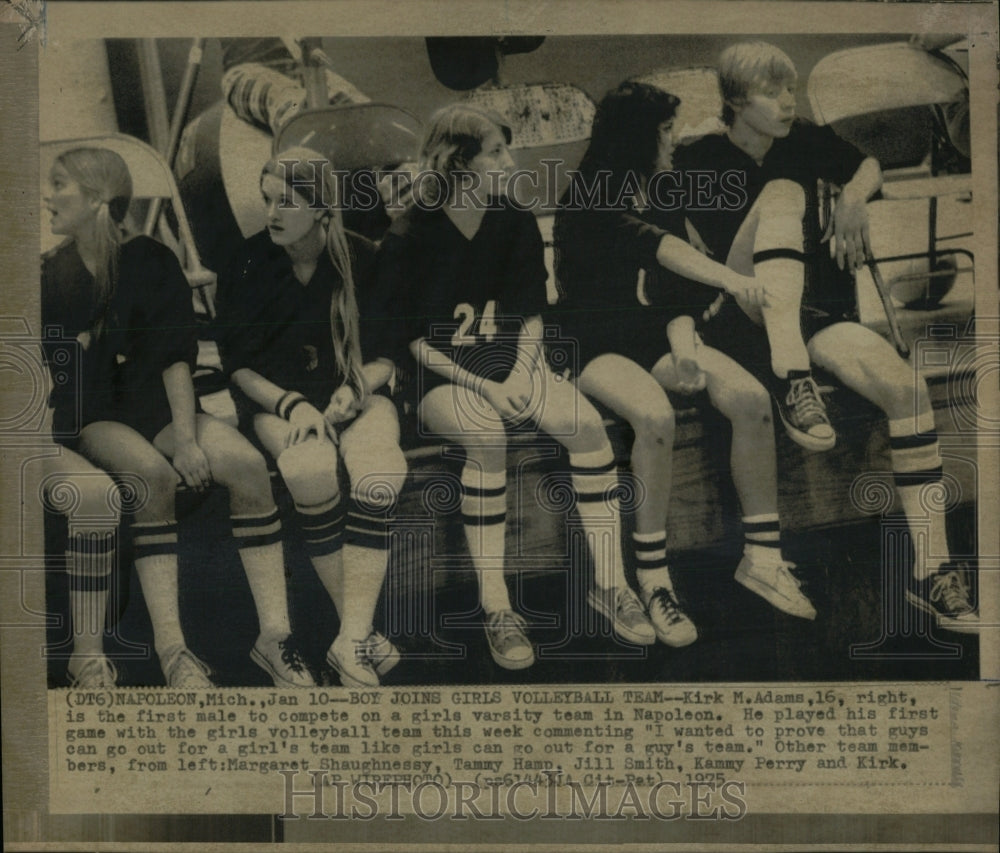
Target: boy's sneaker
[(350, 659), (506, 633), (282, 661), (622, 608), (672, 625), (382, 652), (775, 583), (182, 669), (945, 594), (95, 673), (803, 412)]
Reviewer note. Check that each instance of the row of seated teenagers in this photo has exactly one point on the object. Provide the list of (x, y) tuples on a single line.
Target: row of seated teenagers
[(313, 322)]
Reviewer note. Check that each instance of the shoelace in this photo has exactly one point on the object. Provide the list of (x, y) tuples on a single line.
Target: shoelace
[(789, 569), (183, 660), (507, 625), (291, 657), (804, 397), (953, 590), (105, 676), (629, 605), (664, 599)]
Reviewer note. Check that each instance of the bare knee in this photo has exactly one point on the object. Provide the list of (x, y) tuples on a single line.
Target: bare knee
[(747, 406), (382, 483), (84, 495), (240, 467), (784, 197), (310, 472), (154, 492), (654, 425)]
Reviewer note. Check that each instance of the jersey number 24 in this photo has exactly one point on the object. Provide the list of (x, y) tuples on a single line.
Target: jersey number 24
[(466, 315)]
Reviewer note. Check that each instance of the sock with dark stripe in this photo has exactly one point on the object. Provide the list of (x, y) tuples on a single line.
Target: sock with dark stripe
[(155, 545), (651, 570), (322, 529), (90, 557), (916, 464), (484, 517), (595, 480), (258, 538), (762, 538), (322, 526), (779, 265), (366, 553)]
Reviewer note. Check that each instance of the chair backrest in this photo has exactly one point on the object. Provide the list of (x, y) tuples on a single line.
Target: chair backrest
[(355, 136), (881, 98), (539, 114), (152, 184)]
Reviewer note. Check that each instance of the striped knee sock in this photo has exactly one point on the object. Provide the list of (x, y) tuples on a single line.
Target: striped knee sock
[(916, 463), (155, 545), (258, 538), (322, 526), (762, 537), (484, 516), (595, 478), (90, 558), (652, 570), (366, 554)]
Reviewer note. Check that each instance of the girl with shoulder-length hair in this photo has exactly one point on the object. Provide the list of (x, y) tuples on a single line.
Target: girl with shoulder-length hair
[(127, 307), (467, 280), (628, 259), (306, 363)]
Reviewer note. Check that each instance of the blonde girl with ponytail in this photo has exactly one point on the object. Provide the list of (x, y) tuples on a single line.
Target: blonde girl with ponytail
[(127, 407), (306, 358)]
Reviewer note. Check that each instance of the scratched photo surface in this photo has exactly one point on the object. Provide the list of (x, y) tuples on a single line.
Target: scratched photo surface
[(502, 410)]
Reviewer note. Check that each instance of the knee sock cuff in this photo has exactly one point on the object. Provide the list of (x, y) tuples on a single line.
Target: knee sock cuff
[(90, 557), (366, 529), (152, 539), (321, 527), (255, 531), (917, 478), (593, 462), (783, 253)]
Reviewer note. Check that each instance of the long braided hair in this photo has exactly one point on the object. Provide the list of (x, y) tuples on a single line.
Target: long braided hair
[(309, 175), (102, 174)]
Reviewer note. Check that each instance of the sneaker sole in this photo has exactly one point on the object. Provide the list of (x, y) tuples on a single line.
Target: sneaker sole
[(347, 680), (803, 439), (279, 680), (946, 623), (624, 634), (676, 643), (507, 663), (768, 594)]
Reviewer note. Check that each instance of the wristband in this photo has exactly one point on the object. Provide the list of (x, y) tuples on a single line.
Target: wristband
[(291, 406), (283, 407)]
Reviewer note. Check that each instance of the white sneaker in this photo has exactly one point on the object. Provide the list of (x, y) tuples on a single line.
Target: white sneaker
[(95, 672), (351, 659), (182, 669), (507, 635), (626, 614), (775, 583), (282, 661), (672, 625), (382, 652)]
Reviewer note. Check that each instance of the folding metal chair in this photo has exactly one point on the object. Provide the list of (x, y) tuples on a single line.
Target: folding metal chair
[(152, 181), (890, 100)]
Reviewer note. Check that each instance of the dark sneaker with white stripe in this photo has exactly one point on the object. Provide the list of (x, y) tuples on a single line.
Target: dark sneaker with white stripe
[(945, 594)]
